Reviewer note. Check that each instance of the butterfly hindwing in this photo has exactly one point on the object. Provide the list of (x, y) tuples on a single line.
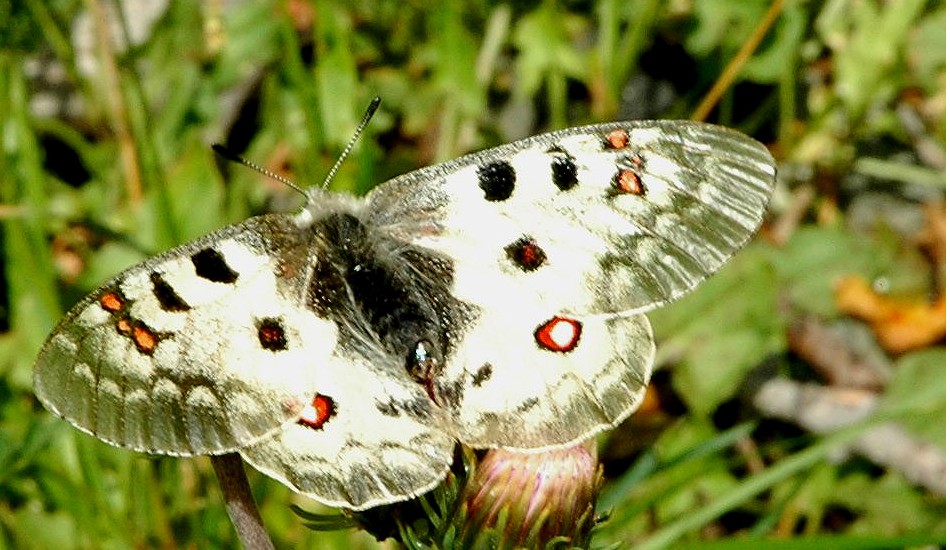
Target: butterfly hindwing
[(370, 437), (199, 350), (571, 378)]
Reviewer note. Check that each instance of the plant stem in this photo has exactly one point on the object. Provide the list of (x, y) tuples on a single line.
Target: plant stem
[(237, 495)]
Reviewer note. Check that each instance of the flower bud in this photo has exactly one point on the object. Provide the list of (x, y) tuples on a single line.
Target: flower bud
[(527, 500)]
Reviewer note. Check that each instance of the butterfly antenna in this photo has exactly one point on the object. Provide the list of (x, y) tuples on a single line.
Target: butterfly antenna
[(226, 153), (233, 157), (370, 111)]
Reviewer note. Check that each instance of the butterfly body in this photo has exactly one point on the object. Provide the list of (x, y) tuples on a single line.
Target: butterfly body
[(495, 300)]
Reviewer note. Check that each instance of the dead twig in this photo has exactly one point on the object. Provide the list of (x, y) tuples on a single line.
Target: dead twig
[(821, 409)]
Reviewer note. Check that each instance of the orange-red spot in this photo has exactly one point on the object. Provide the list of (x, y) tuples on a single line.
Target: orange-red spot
[(123, 326), (111, 302), (617, 139), (531, 256), (319, 411), (627, 181), (145, 340), (271, 336), (559, 334)]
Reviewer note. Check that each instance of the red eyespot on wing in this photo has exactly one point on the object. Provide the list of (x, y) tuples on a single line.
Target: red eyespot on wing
[(559, 334), (318, 412), (526, 253), (616, 139), (270, 333), (145, 339)]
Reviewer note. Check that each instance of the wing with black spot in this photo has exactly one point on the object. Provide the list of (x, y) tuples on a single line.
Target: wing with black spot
[(202, 349), (592, 225), (628, 215)]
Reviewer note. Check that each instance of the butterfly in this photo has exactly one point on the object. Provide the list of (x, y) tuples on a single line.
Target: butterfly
[(496, 300)]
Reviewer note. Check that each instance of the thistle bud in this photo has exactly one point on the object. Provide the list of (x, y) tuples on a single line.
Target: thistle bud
[(528, 500)]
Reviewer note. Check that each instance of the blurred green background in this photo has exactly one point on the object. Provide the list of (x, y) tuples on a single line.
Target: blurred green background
[(838, 305)]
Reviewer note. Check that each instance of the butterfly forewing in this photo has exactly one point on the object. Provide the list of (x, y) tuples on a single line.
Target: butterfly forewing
[(202, 349)]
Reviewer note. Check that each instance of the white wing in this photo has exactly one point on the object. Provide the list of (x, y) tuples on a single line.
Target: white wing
[(200, 350), (591, 225), (704, 191), (372, 441), (516, 395)]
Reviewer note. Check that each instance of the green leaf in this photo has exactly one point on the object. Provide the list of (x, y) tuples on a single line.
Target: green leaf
[(545, 38), (815, 258), (918, 392), (724, 23), (195, 180), (772, 60), (888, 506), (335, 73), (722, 330), (868, 39)]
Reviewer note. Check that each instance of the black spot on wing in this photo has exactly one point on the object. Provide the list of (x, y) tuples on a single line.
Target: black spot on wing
[(528, 404), (497, 180), (482, 375), (168, 299), (270, 333), (388, 409), (526, 253), (210, 264), (564, 172), (418, 408)]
